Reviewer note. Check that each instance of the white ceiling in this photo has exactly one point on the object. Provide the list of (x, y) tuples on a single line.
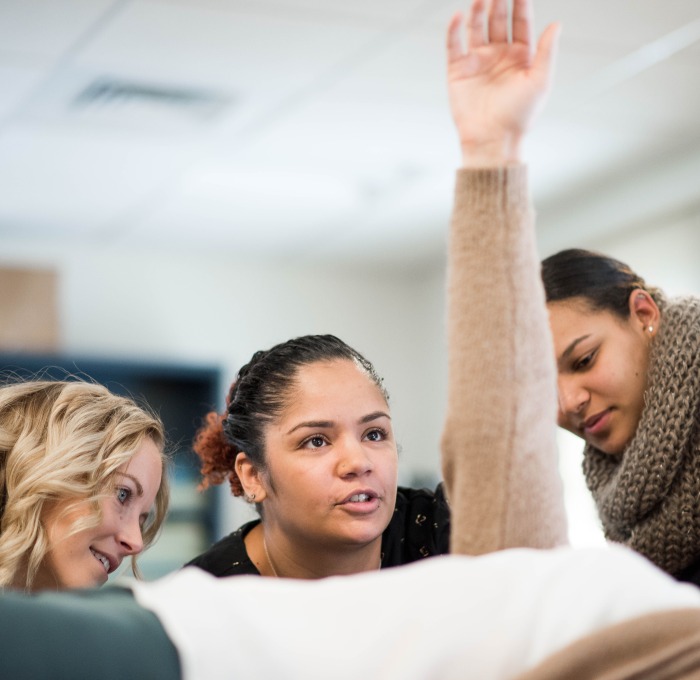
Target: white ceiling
[(323, 127)]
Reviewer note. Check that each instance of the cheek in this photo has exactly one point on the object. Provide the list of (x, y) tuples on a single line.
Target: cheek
[(623, 378), (610, 376), (612, 382), (112, 516), (299, 479), (635, 363), (387, 465), (60, 522), (638, 382)]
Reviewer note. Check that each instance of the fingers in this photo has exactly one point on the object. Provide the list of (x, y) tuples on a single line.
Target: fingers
[(475, 28), (498, 26), (454, 41), (546, 53), (522, 21), (498, 21)]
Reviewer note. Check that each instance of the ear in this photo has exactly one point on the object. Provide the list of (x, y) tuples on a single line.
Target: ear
[(251, 479), (644, 312)]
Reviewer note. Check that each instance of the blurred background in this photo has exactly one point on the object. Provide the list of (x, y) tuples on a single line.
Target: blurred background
[(183, 182)]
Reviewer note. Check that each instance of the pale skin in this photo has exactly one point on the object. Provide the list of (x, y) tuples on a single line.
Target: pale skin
[(333, 443), (86, 558), (602, 364), (496, 87)]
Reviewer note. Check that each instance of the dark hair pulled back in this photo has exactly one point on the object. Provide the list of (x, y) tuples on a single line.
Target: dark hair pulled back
[(257, 396), (604, 282)]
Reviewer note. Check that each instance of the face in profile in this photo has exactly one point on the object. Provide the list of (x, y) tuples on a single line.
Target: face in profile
[(332, 460), (85, 558), (602, 364)]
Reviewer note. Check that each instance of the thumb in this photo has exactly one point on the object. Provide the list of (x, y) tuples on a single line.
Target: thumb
[(546, 52)]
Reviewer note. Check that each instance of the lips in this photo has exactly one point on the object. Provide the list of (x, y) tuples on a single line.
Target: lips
[(360, 496), (109, 563), (596, 422)]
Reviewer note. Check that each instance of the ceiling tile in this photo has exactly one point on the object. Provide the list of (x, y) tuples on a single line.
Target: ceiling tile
[(59, 183), (16, 85), (237, 51), (41, 29), (369, 9), (251, 209), (334, 131)]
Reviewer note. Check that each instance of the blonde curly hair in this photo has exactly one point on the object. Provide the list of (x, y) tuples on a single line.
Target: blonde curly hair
[(63, 441)]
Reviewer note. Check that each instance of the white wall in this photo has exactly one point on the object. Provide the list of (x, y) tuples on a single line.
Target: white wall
[(216, 310), (221, 311), (666, 254)]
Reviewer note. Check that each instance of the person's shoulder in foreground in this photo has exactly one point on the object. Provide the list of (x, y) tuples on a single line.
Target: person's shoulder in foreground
[(497, 615)]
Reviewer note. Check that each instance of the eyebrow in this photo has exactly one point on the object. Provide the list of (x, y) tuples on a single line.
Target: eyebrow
[(374, 416), (572, 346), (139, 488), (325, 424)]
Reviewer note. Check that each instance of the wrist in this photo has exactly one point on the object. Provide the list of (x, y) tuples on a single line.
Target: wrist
[(492, 154)]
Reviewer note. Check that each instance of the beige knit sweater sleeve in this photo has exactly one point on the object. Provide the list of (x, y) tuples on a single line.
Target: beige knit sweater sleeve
[(498, 443)]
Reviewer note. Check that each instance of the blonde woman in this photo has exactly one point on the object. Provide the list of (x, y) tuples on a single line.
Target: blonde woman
[(82, 484)]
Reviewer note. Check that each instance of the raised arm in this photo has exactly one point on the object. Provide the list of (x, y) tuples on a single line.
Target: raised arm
[(498, 445)]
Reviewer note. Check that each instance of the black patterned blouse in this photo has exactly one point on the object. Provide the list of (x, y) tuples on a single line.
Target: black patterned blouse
[(419, 528)]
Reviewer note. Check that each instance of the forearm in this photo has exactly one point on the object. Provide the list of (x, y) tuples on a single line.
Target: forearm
[(498, 446)]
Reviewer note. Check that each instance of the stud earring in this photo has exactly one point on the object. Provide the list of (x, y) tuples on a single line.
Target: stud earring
[(651, 329), (250, 498)]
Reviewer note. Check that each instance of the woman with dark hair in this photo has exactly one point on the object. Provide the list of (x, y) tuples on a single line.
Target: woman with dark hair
[(629, 385), (307, 433), (307, 437)]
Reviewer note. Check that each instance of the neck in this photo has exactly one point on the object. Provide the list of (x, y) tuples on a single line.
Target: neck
[(275, 555)]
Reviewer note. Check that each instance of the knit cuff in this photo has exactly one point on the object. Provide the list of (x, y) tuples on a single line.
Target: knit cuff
[(483, 190)]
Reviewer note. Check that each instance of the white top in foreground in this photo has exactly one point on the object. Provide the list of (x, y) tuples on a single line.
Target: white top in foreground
[(449, 617)]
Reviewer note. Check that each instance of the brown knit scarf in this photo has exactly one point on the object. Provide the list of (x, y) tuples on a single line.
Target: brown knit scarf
[(649, 496)]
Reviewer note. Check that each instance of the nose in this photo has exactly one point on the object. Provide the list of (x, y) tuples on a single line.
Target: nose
[(354, 460), (572, 397), (131, 537)]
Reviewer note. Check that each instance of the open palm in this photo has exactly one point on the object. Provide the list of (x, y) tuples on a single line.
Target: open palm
[(498, 85)]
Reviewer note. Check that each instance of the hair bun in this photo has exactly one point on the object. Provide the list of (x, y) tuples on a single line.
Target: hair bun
[(216, 454)]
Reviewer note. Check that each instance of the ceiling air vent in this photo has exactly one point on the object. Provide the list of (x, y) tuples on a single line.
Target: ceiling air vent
[(134, 102)]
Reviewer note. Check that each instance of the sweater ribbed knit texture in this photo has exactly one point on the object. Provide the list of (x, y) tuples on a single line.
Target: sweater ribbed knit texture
[(499, 440)]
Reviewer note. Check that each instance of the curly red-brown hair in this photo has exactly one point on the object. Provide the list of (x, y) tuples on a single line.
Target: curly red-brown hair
[(217, 455)]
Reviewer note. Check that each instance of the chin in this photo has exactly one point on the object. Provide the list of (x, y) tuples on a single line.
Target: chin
[(87, 582), (369, 536), (612, 448)]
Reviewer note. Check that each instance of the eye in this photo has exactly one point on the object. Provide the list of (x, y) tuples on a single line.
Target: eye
[(123, 494), (585, 362), (376, 435), (316, 441)]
